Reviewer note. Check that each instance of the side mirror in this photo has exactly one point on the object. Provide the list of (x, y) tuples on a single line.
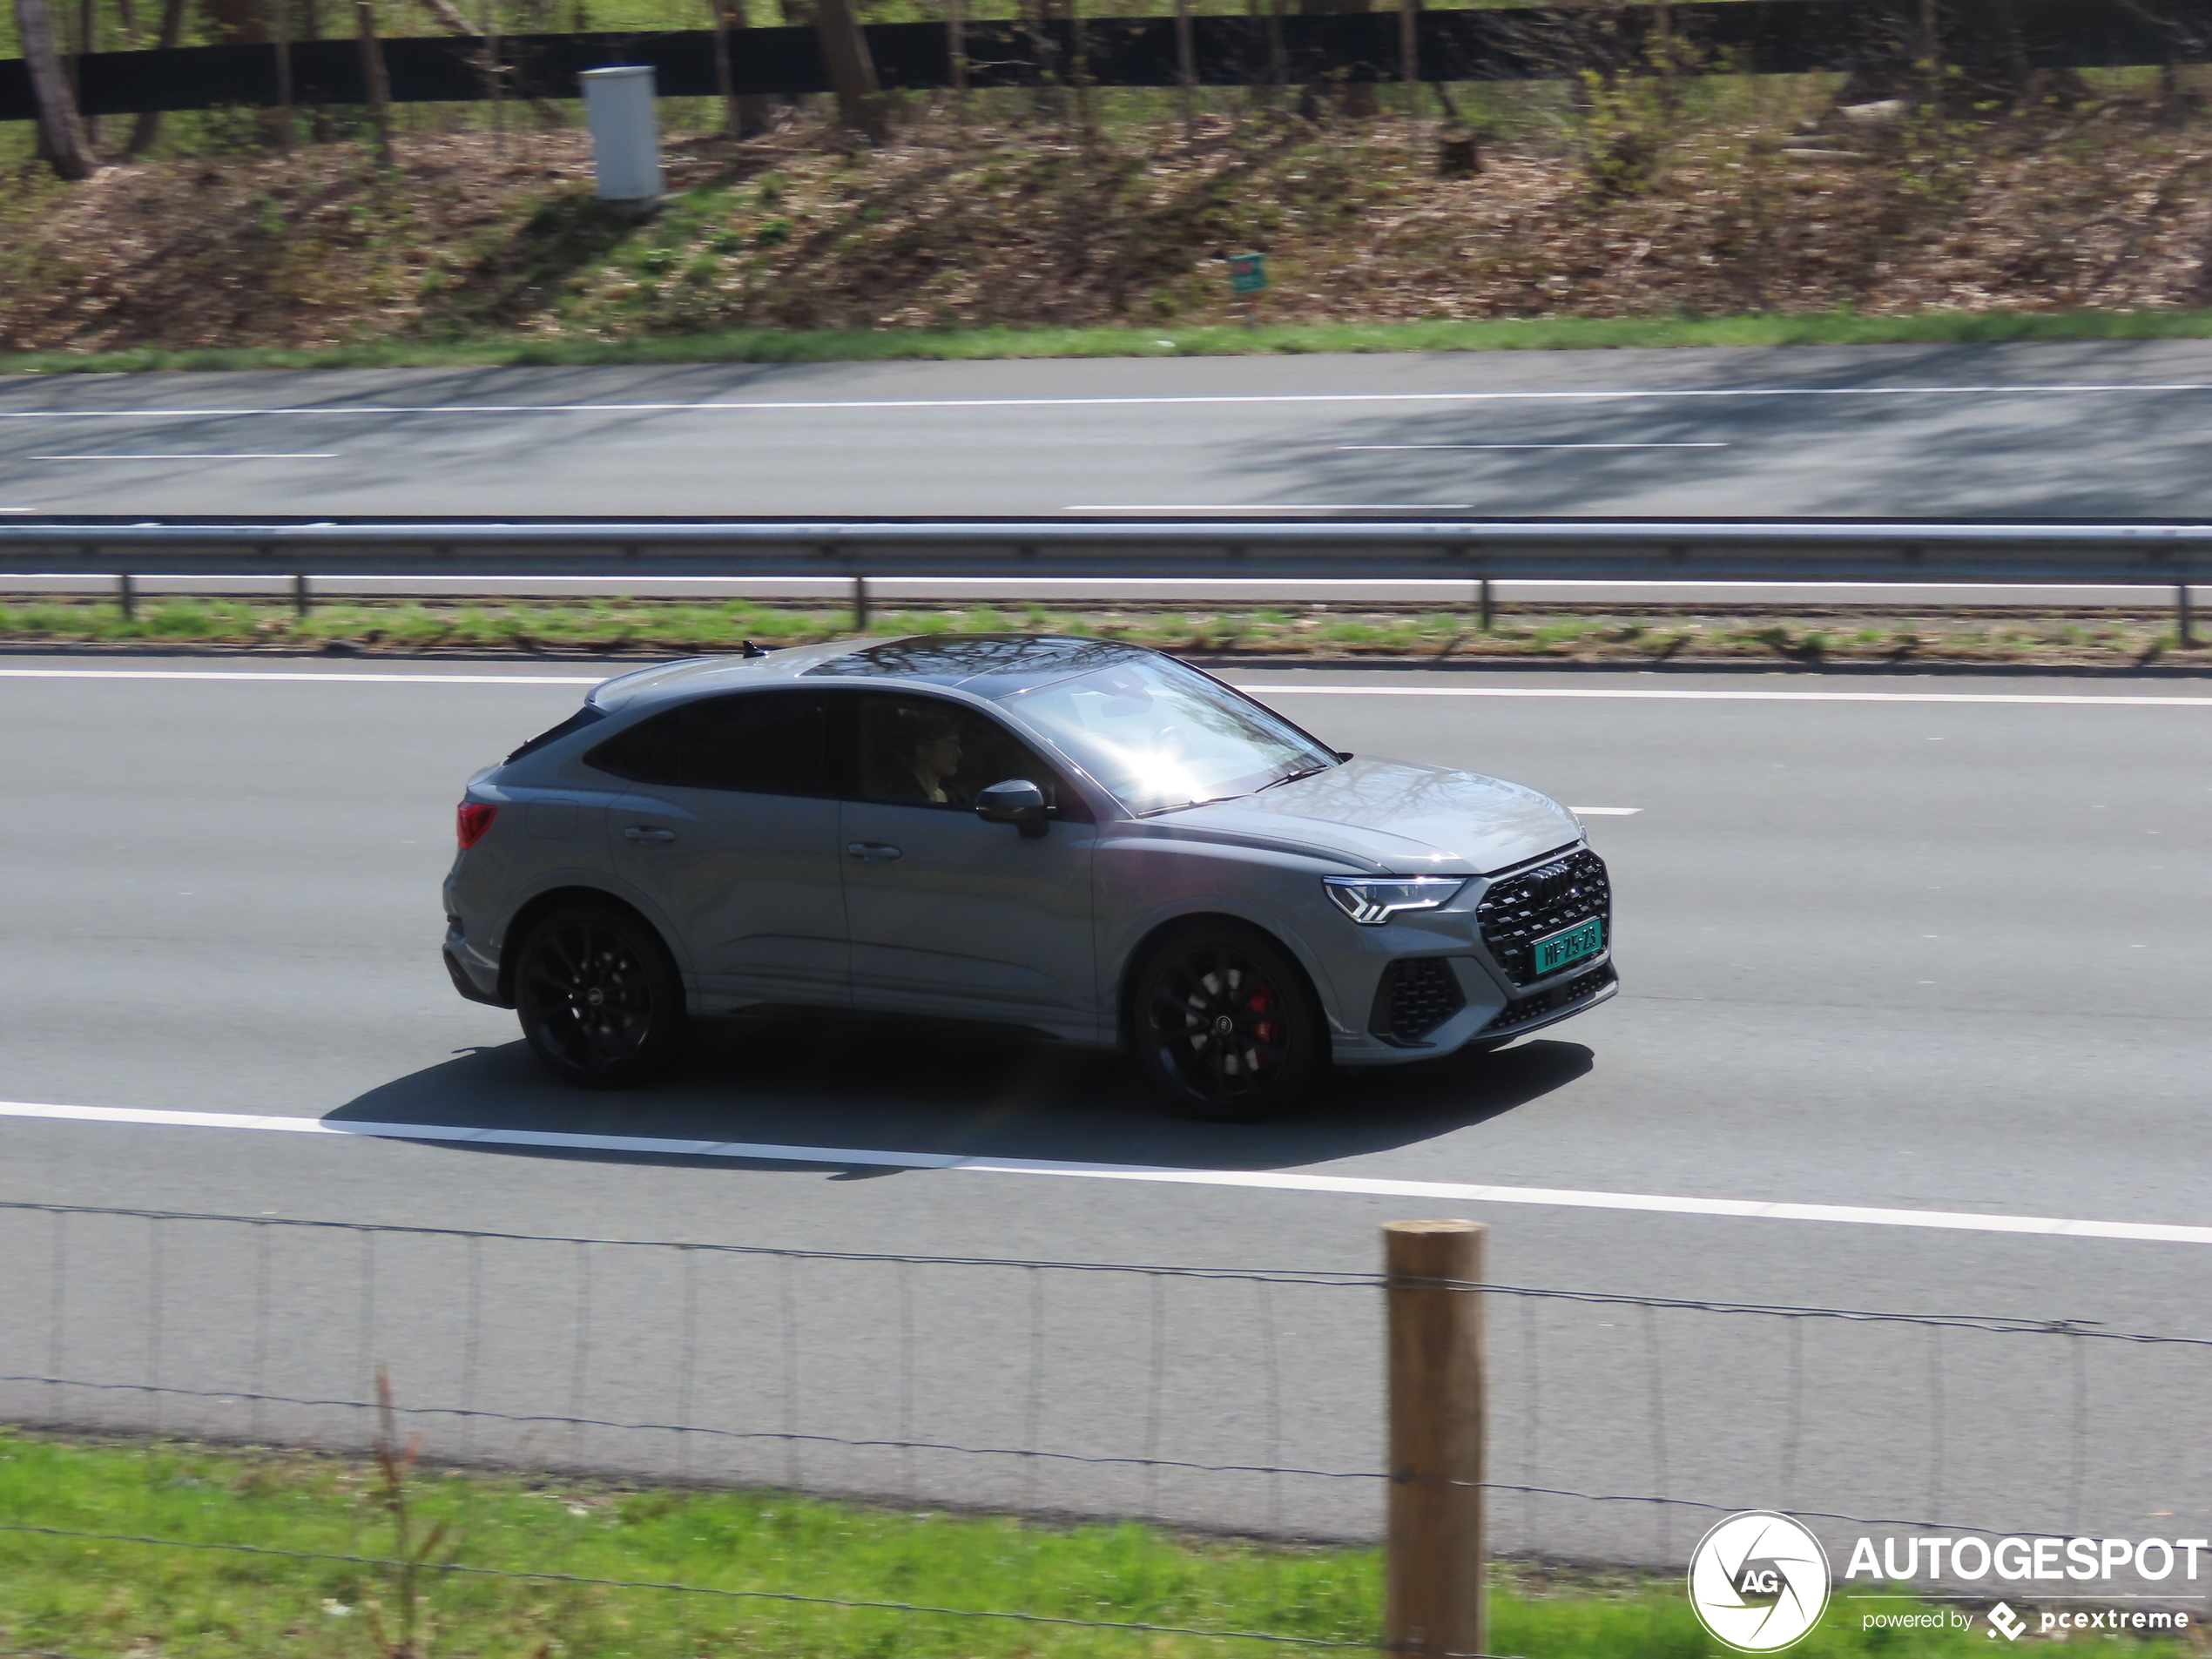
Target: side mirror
[(1017, 801)]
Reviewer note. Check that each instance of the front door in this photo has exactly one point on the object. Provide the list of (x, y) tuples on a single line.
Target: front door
[(730, 830), (949, 914)]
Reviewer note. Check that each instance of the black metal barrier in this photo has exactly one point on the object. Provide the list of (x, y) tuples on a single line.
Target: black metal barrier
[(1752, 36)]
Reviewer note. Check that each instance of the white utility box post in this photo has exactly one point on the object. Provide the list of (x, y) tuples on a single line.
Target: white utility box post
[(625, 140)]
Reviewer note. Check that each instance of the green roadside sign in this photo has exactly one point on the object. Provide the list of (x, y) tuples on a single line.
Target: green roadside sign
[(1247, 272)]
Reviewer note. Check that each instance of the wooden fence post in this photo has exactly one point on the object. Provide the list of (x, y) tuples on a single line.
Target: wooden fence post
[(1436, 1593)]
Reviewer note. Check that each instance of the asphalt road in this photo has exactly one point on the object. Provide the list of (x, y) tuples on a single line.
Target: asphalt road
[(2065, 430), (1927, 945)]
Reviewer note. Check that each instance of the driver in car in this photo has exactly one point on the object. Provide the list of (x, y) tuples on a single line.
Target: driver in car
[(915, 753)]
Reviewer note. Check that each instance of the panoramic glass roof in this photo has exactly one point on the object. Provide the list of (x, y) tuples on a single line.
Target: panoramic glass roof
[(1010, 662)]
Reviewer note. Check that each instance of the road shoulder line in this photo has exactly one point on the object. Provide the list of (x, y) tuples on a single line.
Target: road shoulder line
[(1262, 1180)]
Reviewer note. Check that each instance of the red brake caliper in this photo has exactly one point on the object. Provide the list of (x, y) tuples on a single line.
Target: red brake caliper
[(1260, 1002)]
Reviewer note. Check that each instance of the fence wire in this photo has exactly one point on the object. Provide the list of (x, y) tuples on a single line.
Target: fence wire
[(1238, 1400)]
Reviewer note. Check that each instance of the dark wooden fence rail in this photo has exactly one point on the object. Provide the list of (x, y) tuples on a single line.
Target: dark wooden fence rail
[(1753, 36)]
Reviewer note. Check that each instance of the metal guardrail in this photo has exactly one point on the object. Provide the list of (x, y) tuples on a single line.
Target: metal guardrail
[(2170, 554), (1703, 549)]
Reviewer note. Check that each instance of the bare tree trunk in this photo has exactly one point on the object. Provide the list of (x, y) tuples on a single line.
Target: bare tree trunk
[(852, 72), (1409, 55), (495, 86), (1355, 98), (454, 24), (1079, 76), (956, 52), (147, 130), (1931, 52), (1186, 70), (280, 33), (374, 78), (61, 134), (726, 84), (88, 40), (744, 115)]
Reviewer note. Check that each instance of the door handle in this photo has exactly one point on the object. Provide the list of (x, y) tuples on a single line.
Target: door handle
[(872, 852), (646, 832)]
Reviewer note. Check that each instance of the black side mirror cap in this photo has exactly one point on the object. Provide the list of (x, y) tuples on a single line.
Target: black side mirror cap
[(1017, 801)]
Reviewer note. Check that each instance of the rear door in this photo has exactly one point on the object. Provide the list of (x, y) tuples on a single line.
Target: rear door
[(730, 830), (949, 914)]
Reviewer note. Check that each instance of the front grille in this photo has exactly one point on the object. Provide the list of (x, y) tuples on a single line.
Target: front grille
[(1414, 998), (1559, 996), (1529, 905)]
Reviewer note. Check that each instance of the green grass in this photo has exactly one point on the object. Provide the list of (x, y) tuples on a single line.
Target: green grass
[(669, 628), (828, 346), (98, 1598)]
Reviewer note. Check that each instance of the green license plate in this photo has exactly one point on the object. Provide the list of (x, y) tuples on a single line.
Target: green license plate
[(1557, 950)]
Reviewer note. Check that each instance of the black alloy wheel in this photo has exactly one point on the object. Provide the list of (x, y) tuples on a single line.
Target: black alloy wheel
[(599, 998), (1227, 1025)]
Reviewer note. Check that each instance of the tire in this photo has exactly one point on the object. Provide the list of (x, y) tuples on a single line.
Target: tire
[(599, 998), (1273, 1048)]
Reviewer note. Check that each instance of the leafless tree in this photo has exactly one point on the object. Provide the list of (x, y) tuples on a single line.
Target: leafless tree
[(61, 131)]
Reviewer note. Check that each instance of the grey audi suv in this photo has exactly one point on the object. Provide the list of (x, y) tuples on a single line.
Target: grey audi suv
[(1078, 837)]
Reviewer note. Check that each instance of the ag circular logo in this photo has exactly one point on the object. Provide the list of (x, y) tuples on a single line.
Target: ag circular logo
[(1758, 1582)]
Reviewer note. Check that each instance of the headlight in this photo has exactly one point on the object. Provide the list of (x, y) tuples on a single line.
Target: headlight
[(1371, 902)]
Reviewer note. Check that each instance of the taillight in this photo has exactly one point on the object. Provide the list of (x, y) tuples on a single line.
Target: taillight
[(471, 819)]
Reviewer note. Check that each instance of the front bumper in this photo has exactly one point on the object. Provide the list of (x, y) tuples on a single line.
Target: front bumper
[(1434, 994)]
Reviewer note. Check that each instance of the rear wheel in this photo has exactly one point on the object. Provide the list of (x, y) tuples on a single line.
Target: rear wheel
[(1226, 1024), (599, 997)]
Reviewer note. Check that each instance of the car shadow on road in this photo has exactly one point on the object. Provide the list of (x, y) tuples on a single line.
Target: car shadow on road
[(849, 1082)]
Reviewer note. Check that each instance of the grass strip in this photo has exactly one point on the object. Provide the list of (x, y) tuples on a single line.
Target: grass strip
[(881, 345), (1628, 636), (631, 1572)]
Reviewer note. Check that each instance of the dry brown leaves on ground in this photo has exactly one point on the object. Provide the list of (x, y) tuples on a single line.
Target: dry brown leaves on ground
[(2106, 204)]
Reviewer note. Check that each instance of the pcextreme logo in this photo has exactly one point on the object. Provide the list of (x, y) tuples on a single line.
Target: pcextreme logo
[(1758, 1581)]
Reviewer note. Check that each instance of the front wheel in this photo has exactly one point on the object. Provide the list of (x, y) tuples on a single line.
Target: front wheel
[(599, 998), (1226, 1025)]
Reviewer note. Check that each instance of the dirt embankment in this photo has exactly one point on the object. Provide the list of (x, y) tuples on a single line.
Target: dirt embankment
[(1619, 212)]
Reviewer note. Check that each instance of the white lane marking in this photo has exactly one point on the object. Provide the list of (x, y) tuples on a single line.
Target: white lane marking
[(349, 679), (1264, 507), (2083, 389), (1723, 697), (1267, 1180), (1605, 811), (1523, 445), (329, 455)]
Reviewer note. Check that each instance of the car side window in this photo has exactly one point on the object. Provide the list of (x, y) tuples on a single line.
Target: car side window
[(764, 743), (924, 751)]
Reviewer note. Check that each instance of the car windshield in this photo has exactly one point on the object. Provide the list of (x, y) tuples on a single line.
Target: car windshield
[(1159, 735)]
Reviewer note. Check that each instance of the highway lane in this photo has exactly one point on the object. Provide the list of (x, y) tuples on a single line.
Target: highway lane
[(2108, 428), (1934, 955)]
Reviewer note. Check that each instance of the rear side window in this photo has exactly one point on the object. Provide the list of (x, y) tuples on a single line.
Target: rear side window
[(583, 717), (764, 743)]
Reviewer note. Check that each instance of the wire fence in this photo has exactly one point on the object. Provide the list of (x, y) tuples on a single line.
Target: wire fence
[(1238, 1400)]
